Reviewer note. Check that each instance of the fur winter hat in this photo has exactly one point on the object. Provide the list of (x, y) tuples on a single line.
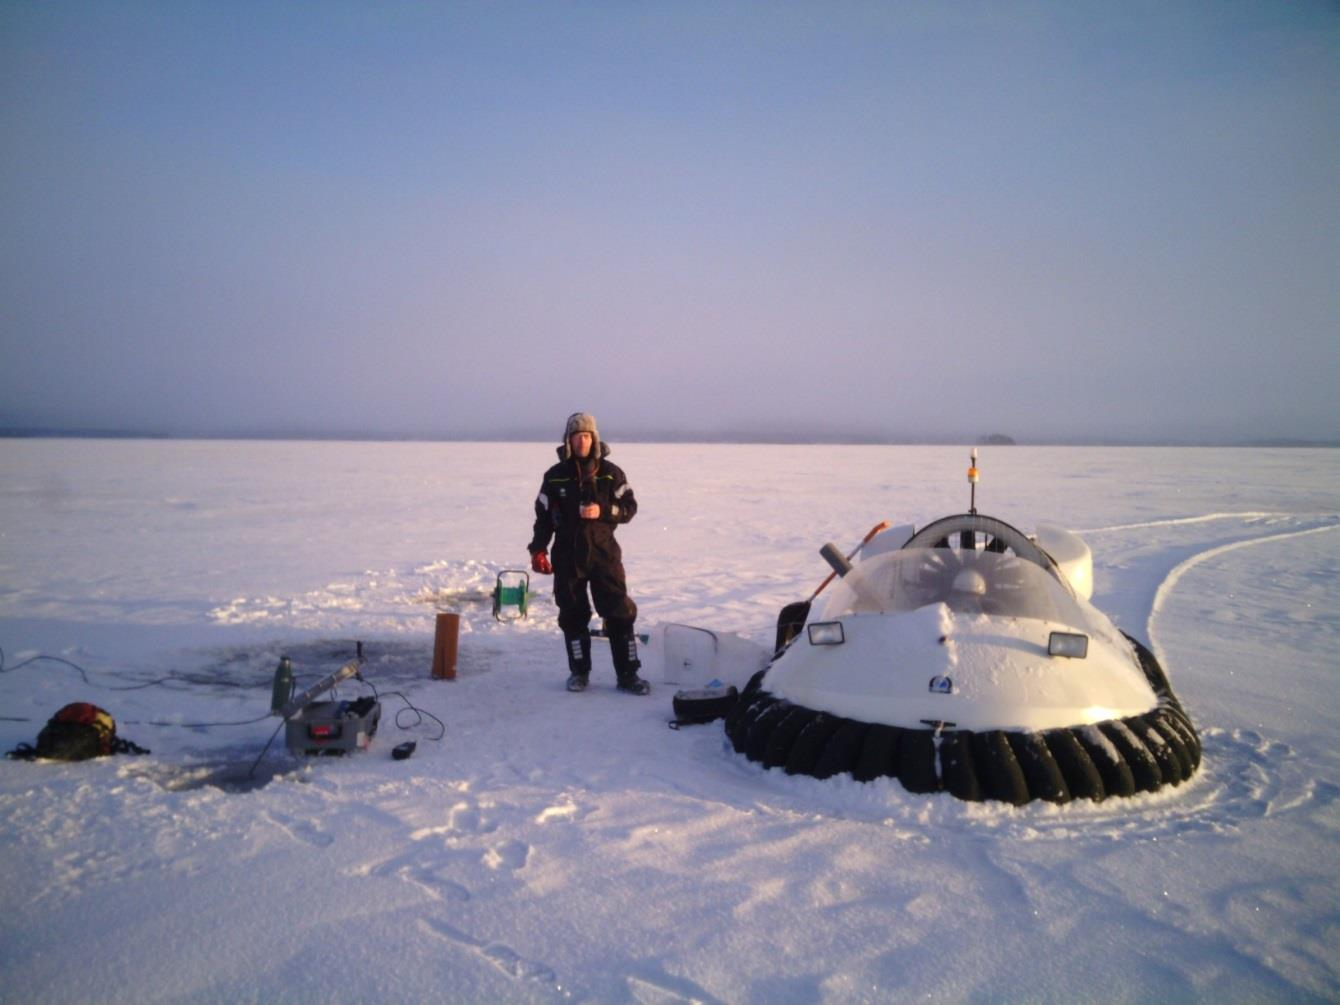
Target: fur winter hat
[(581, 422)]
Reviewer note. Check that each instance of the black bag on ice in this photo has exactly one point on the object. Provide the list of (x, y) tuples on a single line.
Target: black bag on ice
[(693, 708)]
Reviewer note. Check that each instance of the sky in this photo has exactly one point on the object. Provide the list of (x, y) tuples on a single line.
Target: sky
[(904, 221)]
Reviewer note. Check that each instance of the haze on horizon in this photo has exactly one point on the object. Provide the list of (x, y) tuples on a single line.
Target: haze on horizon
[(911, 221)]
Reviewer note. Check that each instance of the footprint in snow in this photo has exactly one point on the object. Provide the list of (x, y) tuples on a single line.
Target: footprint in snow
[(302, 830), (510, 856), (437, 887), (502, 957), (565, 809), (666, 990), (463, 818)]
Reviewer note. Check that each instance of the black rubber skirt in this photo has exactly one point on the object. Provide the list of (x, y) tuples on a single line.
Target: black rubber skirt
[(1119, 757)]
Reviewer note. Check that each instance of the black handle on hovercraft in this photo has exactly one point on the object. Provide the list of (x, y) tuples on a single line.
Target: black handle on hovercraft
[(832, 554), (876, 529)]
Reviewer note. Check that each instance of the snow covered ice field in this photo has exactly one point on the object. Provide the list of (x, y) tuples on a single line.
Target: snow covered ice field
[(556, 847)]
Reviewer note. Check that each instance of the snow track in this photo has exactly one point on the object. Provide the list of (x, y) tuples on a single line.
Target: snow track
[(1171, 580)]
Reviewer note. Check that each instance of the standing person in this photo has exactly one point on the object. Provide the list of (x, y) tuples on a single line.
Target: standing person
[(582, 499)]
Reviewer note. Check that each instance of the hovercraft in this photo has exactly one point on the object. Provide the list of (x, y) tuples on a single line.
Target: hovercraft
[(965, 657)]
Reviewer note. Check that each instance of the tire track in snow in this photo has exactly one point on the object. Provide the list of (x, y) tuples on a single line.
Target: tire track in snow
[(1133, 576), (1169, 582), (1183, 520)]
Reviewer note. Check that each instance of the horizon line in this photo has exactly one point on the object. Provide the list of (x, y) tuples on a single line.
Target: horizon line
[(737, 437)]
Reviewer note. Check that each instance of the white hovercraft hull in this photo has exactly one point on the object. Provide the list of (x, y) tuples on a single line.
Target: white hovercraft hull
[(933, 663)]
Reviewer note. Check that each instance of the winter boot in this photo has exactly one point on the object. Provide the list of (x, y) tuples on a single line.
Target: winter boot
[(578, 645), (623, 650), (633, 684)]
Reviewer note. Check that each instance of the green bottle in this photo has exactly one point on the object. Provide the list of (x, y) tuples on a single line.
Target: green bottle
[(283, 687)]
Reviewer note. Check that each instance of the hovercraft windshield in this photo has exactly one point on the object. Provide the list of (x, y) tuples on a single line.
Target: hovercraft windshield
[(967, 582)]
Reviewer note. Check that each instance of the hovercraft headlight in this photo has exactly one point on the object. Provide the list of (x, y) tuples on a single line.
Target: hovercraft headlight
[(826, 633), (1071, 645)]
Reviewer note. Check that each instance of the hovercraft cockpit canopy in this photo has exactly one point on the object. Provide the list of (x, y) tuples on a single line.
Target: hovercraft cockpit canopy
[(971, 564)]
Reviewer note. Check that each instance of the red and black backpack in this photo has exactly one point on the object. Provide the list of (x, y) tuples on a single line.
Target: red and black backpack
[(77, 732)]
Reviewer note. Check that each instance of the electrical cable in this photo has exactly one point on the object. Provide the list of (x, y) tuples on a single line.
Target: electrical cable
[(35, 659), (410, 707), (256, 763), (174, 675), (193, 725)]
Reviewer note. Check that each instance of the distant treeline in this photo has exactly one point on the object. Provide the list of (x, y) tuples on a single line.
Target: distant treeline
[(82, 434), (656, 436)]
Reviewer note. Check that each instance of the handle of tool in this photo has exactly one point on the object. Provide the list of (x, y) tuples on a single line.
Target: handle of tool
[(881, 526)]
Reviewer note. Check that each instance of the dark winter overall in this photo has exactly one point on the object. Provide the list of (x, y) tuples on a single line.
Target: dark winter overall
[(585, 554)]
